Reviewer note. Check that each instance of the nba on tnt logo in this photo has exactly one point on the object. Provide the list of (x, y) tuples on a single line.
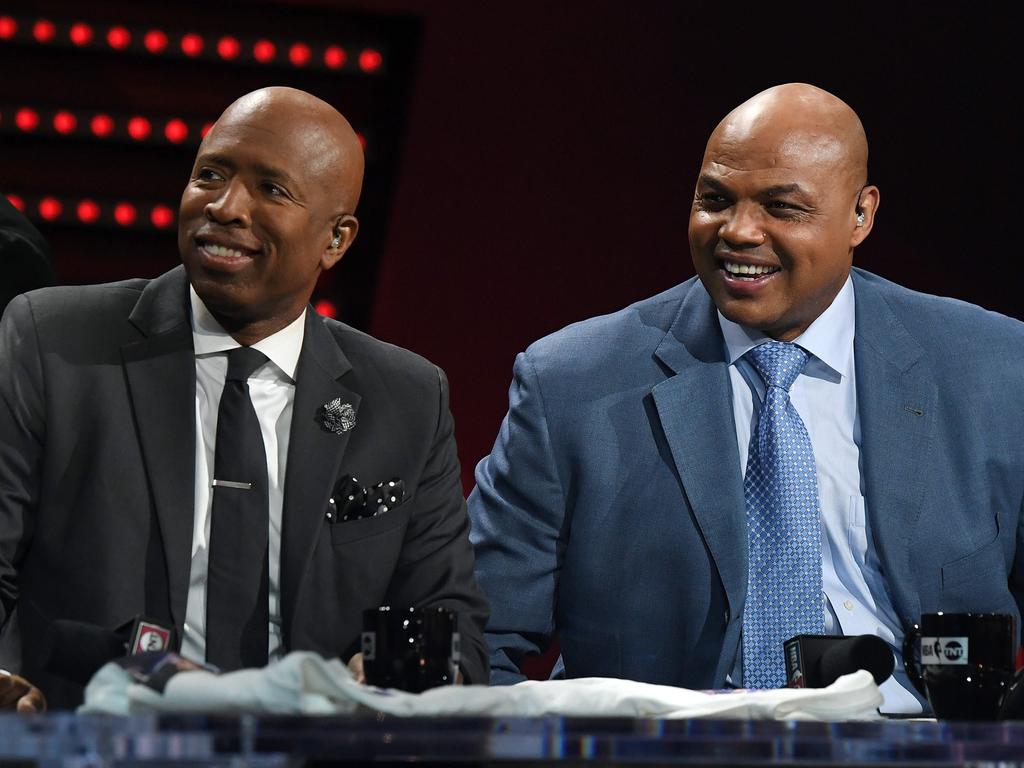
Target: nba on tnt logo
[(943, 650)]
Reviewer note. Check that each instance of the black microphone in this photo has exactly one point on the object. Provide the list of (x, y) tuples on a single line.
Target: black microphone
[(75, 650), (817, 661)]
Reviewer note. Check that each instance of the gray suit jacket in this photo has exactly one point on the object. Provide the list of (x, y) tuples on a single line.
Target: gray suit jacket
[(611, 512), (97, 456)]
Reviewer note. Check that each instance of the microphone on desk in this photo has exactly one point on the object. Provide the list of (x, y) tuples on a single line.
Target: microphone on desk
[(75, 650), (817, 661)]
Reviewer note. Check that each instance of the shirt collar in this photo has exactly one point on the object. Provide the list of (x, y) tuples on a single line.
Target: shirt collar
[(829, 338), (283, 347)]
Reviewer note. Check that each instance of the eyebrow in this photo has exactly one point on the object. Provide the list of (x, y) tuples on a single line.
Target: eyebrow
[(275, 174), (778, 190)]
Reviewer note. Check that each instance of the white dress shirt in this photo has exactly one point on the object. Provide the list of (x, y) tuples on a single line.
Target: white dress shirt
[(825, 395), (272, 390)]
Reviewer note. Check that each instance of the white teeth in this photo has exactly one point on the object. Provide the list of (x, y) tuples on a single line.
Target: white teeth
[(748, 269), (221, 251)]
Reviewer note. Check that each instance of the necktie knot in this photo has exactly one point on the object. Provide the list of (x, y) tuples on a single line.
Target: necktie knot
[(778, 363), (242, 361)]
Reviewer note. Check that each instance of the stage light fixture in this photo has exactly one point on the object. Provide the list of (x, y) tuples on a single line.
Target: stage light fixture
[(119, 38), (44, 31), (102, 125), (176, 131), (88, 211), (64, 122), (335, 57), (125, 214), (26, 119), (80, 33), (191, 44), (228, 48), (370, 60), (326, 308), (264, 51), (161, 216), (155, 41), (49, 208), (139, 128), (299, 54), (8, 27)]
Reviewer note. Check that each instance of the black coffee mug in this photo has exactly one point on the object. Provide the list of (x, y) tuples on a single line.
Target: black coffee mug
[(962, 662), (410, 649)]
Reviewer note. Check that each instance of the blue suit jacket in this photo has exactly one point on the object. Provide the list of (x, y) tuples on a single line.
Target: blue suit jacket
[(611, 514)]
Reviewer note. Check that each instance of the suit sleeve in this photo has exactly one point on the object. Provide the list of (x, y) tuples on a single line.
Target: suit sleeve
[(518, 515), (435, 568), (21, 442)]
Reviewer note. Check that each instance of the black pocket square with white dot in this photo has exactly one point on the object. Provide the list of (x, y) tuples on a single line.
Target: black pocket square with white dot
[(351, 501)]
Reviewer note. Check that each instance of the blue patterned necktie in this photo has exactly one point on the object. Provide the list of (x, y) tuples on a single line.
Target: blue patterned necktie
[(784, 592)]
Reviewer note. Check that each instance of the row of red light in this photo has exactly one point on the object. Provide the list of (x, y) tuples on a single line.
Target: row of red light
[(92, 212), (190, 45), (101, 125)]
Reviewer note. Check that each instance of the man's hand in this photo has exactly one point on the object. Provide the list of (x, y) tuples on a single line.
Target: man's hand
[(18, 694), (355, 666)]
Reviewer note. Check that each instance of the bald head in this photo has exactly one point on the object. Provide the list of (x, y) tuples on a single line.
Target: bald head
[(269, 206), (798, 119), (781, 202), (326, 138)]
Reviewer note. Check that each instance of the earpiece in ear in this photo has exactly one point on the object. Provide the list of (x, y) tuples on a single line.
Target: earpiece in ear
[(336, 242), (860, 219)]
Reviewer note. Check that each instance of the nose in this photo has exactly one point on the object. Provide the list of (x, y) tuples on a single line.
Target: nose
[(743, 226), (231, 206)]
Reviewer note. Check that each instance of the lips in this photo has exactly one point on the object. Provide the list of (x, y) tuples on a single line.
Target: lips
[(223, 254), (748, 272)]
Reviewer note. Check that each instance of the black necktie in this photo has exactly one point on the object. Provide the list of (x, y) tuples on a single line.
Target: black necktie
[(237, 574)]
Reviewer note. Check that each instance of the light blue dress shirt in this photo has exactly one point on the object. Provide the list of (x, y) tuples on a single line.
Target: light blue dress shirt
[(825, 396)]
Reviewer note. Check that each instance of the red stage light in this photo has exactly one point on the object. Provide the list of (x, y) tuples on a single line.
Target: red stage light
[(88, 211), (17, 202), (334, 57), (26, 119), (228, 47), (118, 37), (80, 33), (8, 27), (161, 216), (264, 51), (64, 122), (176, 131), (191, 44), (370, 60), (124, 214), (326, 308), (139, 128), (155, 41), (43, 31), (102, 125), (299, 54), (49, 208), (362, 141)]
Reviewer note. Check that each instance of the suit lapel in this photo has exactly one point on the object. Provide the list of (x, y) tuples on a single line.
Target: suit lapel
[(896, 402), (695, 408), (161, 374), (314, 457)]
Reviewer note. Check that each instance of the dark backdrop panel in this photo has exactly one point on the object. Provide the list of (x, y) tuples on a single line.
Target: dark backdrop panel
[(553, 147)]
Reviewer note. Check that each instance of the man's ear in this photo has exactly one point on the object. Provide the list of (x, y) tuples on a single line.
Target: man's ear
[(343, 233), (864, 214)]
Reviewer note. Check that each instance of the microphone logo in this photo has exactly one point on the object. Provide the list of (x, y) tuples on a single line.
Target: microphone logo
[(149, 637)]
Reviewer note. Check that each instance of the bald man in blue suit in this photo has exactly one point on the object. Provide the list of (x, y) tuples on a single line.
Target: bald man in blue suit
[(611, 511)]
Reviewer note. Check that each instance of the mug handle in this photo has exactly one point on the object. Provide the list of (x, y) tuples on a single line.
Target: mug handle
[(912, 658)]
